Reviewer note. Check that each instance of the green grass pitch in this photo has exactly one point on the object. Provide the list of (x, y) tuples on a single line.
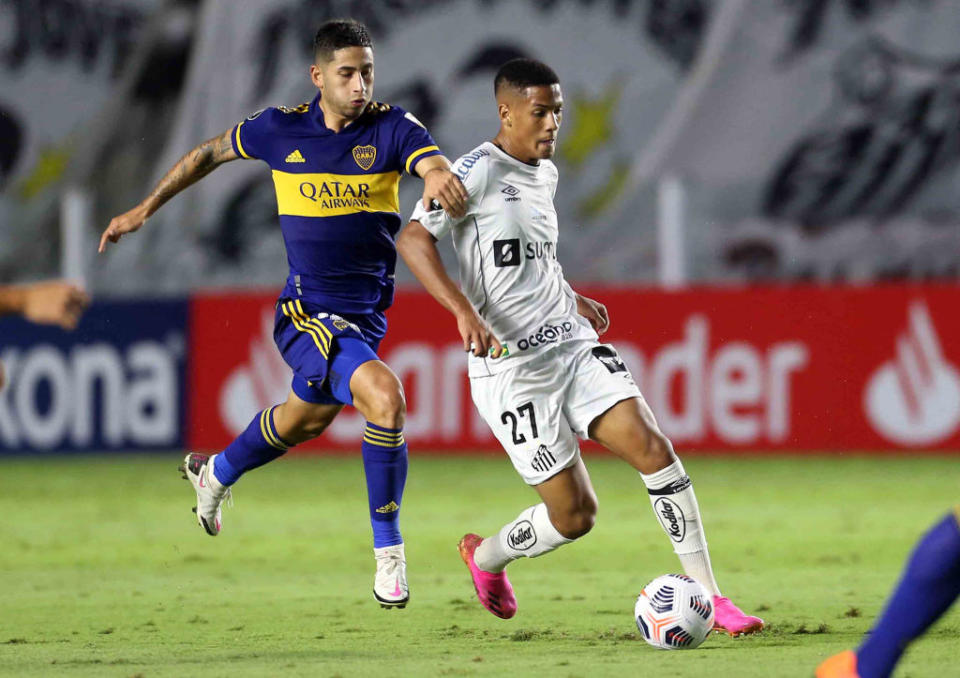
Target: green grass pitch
[(104, 572)]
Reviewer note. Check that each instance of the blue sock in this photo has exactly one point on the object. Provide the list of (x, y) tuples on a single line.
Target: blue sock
[(927, 588), (385, 465), (257, 445)]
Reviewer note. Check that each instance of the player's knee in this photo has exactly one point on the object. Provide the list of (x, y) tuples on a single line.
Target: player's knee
[(386, 406), (651, 452), (378, 394)]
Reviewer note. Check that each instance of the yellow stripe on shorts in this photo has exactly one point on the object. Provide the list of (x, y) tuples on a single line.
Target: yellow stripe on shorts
[(305, 326), (325, 335), (290, 311)]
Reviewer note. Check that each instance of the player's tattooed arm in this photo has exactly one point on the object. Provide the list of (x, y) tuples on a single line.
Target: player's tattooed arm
[(192, 167), (418, 248), (595, 312)]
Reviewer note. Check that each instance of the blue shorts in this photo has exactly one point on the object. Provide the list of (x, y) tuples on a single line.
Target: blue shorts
[(324, 349)]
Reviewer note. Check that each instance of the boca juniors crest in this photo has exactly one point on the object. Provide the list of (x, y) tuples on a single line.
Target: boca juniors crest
[(365, 155)]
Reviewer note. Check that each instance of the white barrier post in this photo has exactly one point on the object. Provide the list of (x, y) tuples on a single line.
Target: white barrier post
[(76, 214), (671, 257)]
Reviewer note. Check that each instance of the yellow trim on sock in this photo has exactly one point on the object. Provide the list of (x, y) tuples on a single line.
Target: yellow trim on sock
[(382, 444), (383, 436), (267, 433)]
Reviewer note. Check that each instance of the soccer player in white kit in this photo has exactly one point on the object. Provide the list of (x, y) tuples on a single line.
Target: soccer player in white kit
[(538, 373)]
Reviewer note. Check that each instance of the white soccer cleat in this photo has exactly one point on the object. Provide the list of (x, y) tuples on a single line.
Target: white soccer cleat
[(198, 469), (390, 584)]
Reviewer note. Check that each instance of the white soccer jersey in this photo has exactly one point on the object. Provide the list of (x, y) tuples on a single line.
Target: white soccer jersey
[(507, 249)]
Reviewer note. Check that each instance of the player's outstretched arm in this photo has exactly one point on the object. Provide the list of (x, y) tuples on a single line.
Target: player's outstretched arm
[(442, 185), (192, 167), (595, 312), (419, 249), (55, 302)]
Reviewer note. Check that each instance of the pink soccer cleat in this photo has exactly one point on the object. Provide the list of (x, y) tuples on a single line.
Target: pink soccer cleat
[(730, 619), (493, 589)]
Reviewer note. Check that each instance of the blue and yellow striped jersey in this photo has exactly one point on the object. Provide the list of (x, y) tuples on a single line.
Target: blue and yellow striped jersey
[(337, 197)]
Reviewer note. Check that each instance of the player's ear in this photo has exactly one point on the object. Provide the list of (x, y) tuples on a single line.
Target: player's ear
[(316, 76), (503, 110)]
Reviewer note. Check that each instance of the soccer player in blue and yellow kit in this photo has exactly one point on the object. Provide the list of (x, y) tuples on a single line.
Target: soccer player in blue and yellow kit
[(336, 164)]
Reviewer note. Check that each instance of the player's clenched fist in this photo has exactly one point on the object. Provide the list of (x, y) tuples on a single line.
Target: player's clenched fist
[(595, 312), (128, 222)]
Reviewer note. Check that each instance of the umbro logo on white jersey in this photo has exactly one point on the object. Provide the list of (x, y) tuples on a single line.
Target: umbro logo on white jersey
[(512, 193)]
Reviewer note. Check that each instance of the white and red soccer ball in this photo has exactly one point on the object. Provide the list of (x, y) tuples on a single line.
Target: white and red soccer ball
[(674, 612)]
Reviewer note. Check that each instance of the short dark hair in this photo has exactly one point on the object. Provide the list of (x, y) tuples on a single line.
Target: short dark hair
[(523, 73), (337, 34)]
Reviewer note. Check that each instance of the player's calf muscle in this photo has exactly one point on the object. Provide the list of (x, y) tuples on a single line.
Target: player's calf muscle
[(298, 423), (576, 523), (571, 501)]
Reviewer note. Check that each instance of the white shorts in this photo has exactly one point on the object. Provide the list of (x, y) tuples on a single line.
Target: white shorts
[(538, 408)]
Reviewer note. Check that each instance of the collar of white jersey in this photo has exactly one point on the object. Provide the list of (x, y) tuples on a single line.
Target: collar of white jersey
[(506, 157)]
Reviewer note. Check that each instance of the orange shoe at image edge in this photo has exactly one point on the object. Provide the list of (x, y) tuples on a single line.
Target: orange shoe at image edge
[(843, 665)]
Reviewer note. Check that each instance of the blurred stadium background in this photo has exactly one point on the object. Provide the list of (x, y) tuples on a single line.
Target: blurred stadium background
[(763, 193)]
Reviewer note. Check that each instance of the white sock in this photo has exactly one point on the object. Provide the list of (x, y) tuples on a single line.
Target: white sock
[(215, 483), (530, 535), (675, 506)]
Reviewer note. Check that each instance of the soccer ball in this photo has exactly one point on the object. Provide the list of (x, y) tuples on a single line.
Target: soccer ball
[(674, 612)]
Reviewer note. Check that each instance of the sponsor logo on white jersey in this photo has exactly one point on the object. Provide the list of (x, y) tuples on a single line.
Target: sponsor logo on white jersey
[(506, 252), (467, 163), (914, 399), (548, 334)]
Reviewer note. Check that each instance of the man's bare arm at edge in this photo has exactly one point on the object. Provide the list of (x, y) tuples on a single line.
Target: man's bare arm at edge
[(53, 302), (192, 167)]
